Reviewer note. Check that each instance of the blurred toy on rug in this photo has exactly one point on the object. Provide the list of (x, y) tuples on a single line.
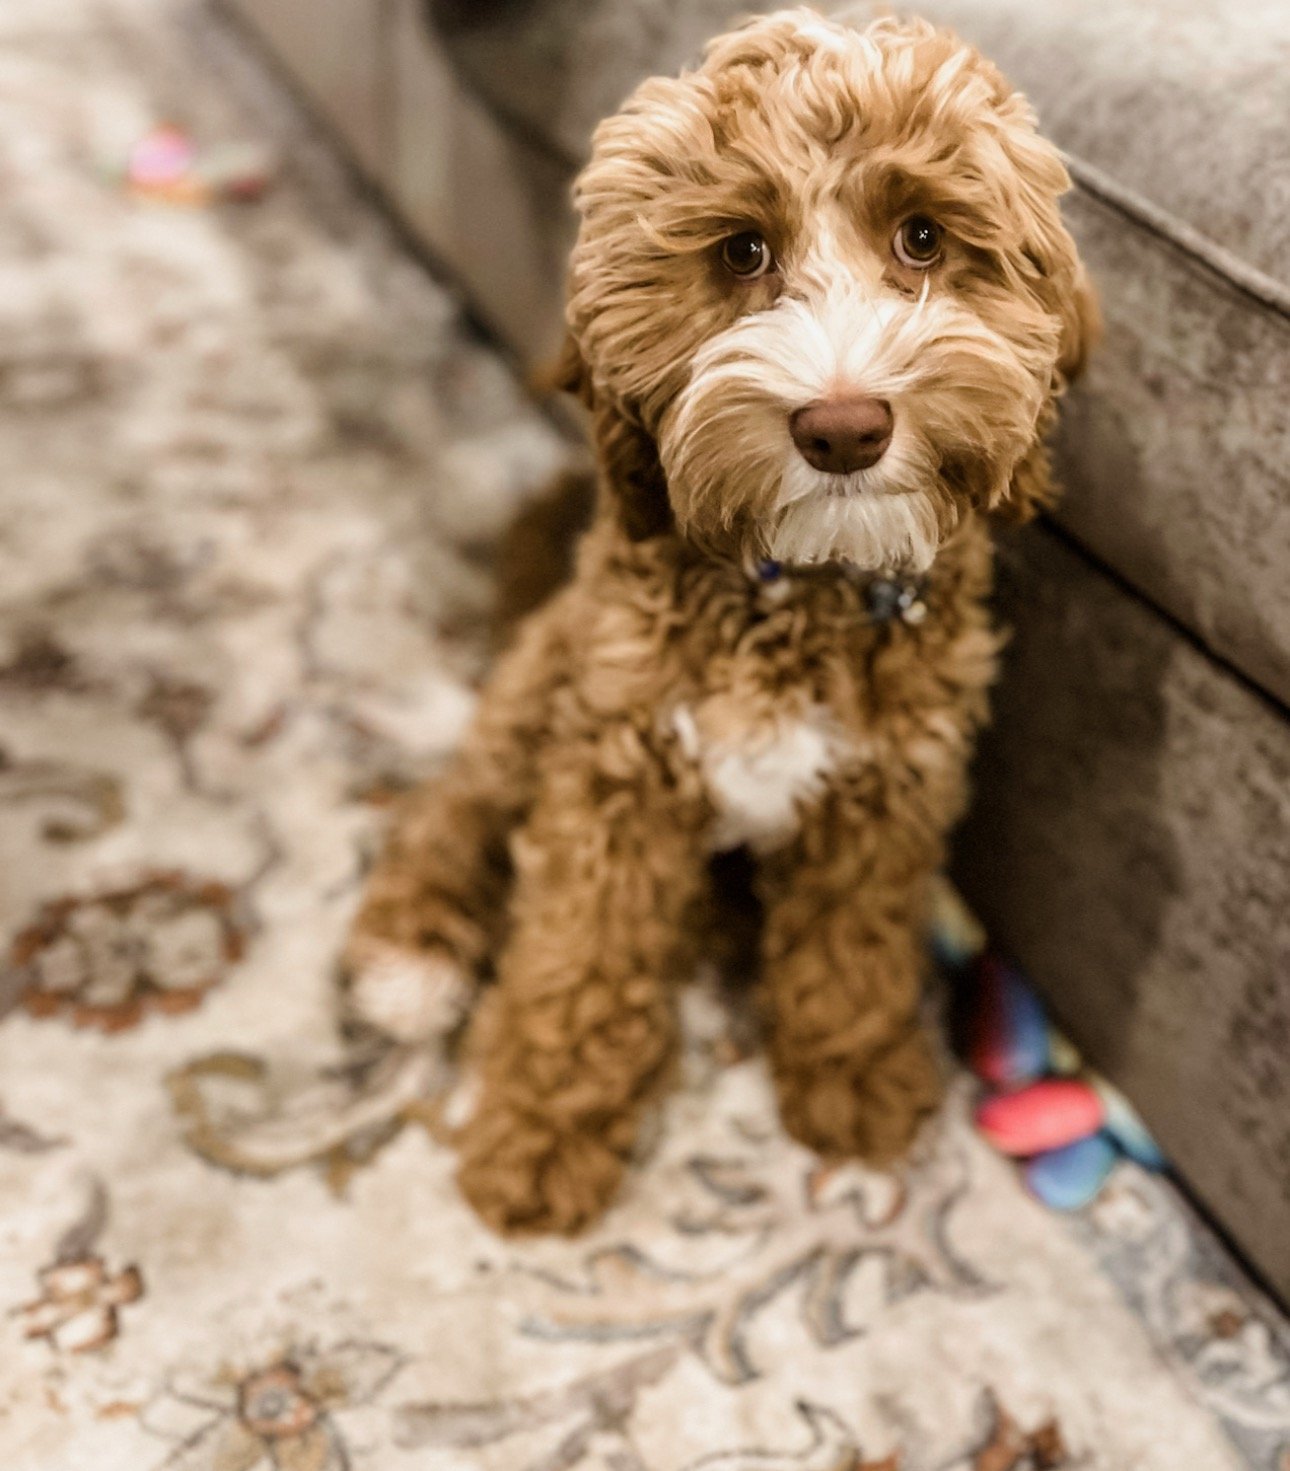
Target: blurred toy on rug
[(1042, 1106), (167, 164)]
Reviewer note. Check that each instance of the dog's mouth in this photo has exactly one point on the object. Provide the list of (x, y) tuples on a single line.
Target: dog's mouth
[(845, 486)]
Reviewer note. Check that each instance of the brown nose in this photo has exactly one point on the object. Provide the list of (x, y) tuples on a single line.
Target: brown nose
[(839, 435)]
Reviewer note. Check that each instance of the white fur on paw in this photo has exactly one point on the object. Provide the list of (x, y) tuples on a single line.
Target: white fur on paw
[(409, 997), (461, 1102)]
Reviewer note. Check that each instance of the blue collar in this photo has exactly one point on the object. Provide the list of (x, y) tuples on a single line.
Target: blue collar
[(888, 595)]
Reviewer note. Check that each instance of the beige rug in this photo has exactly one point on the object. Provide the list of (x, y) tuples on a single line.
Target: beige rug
[(253, 467)]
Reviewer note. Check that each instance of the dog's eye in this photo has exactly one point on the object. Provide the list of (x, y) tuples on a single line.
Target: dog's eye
[(918, 243), (746, 254)]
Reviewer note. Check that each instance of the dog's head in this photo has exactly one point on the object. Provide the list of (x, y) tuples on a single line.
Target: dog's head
[(826, 274)]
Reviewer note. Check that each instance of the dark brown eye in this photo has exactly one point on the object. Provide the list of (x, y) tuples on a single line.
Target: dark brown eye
[(746, 254), (918, 243)]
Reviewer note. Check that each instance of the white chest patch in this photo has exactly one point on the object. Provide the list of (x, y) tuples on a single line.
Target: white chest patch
[(760, 781)]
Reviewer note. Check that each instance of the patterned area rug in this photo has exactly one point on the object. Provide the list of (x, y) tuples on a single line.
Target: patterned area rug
[(255, 466)]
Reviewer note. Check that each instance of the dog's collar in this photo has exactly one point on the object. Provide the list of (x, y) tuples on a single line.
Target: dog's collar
[(888, 595)]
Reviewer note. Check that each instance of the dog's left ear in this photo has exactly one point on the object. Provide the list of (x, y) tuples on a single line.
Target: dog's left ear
[(1058, 279), (1032, 488), (1081, 323), (1035, 184)]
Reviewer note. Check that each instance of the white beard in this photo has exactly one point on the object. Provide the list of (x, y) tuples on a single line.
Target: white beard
[(876, 522)]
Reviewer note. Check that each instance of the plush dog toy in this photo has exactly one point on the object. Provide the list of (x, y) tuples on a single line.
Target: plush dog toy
[(821, 306)]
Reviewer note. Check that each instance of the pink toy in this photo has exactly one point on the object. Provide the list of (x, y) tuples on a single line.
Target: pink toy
[(165, 164), (160, 159), (1046, 1115)]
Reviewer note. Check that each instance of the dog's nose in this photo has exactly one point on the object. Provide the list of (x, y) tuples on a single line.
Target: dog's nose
[(839, 435)]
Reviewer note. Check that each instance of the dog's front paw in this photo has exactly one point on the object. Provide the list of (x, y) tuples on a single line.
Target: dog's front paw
[(409, 995), (524, 1176), (842, 1109)]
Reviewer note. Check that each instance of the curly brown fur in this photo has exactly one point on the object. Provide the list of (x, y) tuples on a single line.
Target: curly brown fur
[(667, 703)]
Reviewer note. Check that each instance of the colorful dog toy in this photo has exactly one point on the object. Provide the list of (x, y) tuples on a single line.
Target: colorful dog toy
[(1044, 1106), (165, 164)]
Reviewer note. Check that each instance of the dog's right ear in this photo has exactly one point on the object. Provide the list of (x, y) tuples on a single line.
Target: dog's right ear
[(626, 451), (570, 374)]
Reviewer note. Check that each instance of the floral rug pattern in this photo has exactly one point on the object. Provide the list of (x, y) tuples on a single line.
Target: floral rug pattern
[(256, 465)]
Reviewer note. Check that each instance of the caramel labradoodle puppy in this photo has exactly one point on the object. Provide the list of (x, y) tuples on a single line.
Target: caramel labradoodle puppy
[(821, 307)]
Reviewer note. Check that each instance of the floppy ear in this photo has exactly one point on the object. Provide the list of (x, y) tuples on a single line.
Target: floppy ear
[(1061, 283), (1058, 280), (1056, 274), (629, 466), (569, 372), (1081, 324), (631, 477), (1032, 488)]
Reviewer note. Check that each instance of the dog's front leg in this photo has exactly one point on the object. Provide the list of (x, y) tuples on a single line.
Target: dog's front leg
[(843, 960), (434, 901), (577, 1036)]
